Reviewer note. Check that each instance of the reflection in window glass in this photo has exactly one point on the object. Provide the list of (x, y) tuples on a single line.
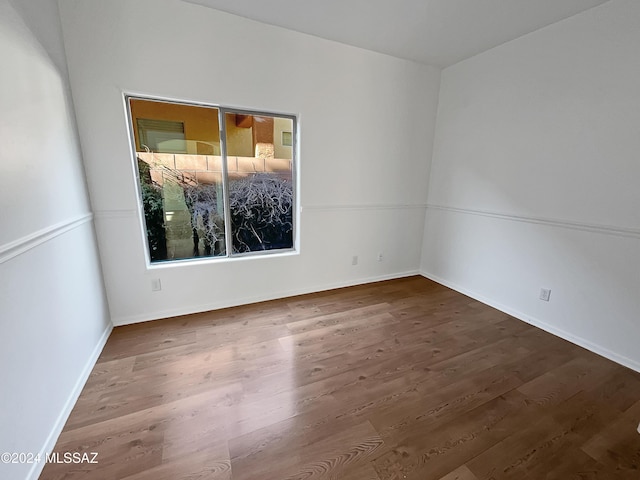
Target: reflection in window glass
[(206, 198), (260, 170)]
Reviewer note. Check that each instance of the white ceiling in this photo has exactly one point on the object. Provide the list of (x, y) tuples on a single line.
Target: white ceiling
[(436, 32)]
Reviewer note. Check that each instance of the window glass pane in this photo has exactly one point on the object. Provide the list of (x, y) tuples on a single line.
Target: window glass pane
[(260, 169), (179, 165)]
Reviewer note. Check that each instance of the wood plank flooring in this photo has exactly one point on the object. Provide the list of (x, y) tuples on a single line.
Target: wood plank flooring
[(403, 379)]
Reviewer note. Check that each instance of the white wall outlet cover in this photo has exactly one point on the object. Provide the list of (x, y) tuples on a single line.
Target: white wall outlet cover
[(545, 294)]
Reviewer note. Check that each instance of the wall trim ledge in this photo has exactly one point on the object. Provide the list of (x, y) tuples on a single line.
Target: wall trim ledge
[(128, 213), (379, 206), (28, 242), (581, 342), (553, 222)]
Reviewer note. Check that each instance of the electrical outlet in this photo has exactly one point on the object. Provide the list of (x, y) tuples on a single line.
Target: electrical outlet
[(380, 257), (545, 294), (156, 286), (354, 260), (639, 428)]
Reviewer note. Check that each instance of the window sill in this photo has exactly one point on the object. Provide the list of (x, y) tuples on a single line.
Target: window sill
[(188, 262)]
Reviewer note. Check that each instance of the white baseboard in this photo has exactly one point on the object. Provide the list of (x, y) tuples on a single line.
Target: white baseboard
[(570, 337), (50, 443), (157, 315)]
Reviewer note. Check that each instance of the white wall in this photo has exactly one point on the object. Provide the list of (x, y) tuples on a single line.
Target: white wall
[(53, 312), (361, 185), (535, 179)]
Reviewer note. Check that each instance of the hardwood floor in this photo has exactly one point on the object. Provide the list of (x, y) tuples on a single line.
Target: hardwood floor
[(403, 379)]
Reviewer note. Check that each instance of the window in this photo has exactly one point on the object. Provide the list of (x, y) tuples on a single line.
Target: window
[(157, 135), (213, 181)]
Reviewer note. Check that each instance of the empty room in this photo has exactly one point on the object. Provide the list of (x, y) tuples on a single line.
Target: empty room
[(359, 240)]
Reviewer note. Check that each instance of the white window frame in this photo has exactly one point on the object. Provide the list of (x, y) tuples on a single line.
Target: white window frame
[(229, 254)]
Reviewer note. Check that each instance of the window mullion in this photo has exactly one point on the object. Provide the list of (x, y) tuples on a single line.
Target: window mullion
[(225, 181)]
